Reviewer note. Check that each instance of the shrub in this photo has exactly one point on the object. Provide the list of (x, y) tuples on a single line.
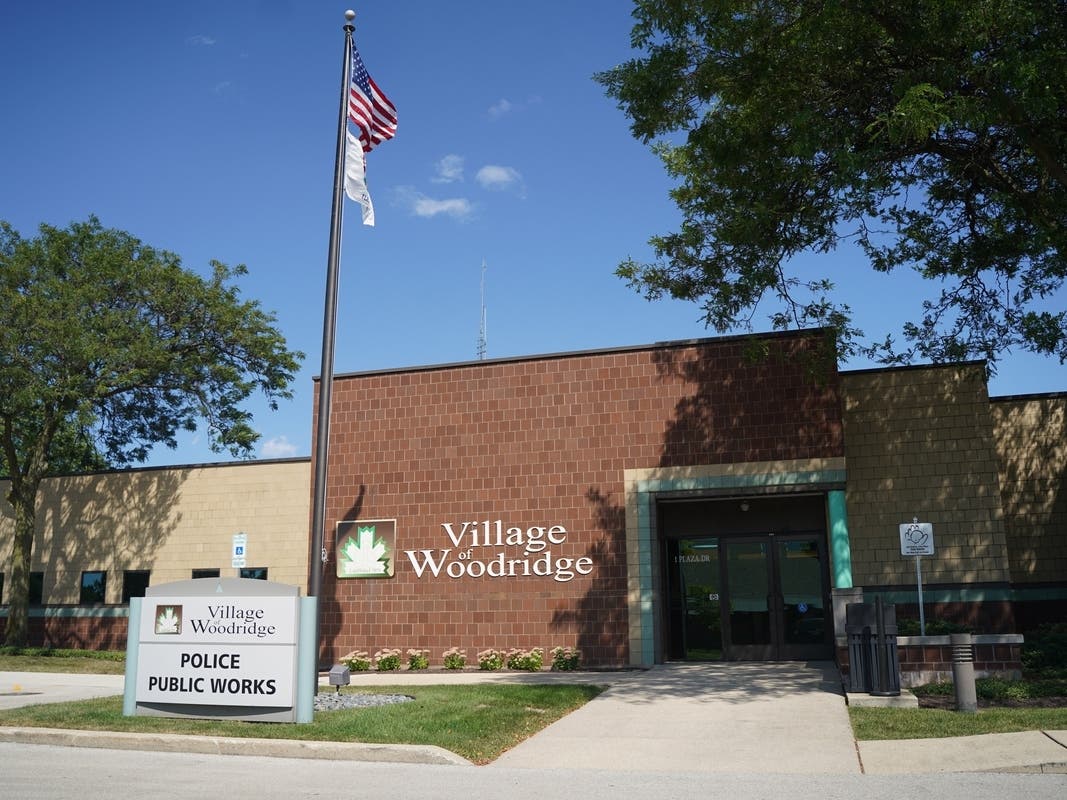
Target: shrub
[(565, 658), (418, 659), (455, 658), (1044, 651), (907, 626), (490, 659), (530, 660), (387, 660), (356, 661)]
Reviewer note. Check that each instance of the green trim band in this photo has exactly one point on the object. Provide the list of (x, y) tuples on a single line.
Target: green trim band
[(965, 594), (72, 612), (840, 547), (741, 481)]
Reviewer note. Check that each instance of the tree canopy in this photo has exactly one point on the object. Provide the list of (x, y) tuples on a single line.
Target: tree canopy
[(930, 133), (109, 347)]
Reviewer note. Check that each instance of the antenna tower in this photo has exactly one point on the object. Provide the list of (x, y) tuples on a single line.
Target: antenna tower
[(481, 330)]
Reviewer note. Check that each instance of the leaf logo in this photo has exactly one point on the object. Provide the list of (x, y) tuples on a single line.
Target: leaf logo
[(168, 620), (365, 557)]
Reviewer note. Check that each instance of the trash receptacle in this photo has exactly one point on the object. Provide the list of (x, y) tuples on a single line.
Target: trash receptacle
[(874, 663), (885, 660), (858, 620)]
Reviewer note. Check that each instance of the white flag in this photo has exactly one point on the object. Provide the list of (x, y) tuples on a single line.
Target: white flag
[(356, 177)]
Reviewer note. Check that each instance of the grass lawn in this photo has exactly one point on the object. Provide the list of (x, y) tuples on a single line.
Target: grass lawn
[(1005, 706), (69, 661), (936, 723), (476, 721), (481, 721)]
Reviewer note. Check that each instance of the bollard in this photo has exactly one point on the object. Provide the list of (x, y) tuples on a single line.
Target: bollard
[(963, 672)]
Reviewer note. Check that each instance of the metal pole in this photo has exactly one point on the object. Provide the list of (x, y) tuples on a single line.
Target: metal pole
[(316, 562), (919, 581)]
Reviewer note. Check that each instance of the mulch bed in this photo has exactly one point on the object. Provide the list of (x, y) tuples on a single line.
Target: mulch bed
[(948, 702)]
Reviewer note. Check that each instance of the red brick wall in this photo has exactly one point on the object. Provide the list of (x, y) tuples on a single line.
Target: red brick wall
[(77, 633), (926, 662), (993, 658), (542, 442)]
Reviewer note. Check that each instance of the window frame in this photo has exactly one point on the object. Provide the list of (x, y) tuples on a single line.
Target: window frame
[(36, 581), (126, 589), (82, 588)]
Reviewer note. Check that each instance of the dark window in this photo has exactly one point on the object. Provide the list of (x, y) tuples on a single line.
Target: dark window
[(93, 588), (256, 573), (134, 582), (1, 588), (36, 588), (205, 573)]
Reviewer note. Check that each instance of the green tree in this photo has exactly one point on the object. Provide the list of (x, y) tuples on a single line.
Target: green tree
[(931, 133), (108, 347)]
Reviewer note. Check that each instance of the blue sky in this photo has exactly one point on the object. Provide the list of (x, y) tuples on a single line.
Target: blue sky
[(208, 129)]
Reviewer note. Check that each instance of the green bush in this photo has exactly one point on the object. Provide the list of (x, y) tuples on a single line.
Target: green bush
[(565, 658), (998, 689), (1044, 651), (387, 660), (490, 659), (906, 626), (455, 658), (356, 661), (531, 660)]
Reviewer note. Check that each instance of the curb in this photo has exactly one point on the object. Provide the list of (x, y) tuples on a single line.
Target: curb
[(236, 746), (1059, 768)]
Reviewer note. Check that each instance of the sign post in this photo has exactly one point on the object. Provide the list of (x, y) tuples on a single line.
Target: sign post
[(218, 648), (917, 539)]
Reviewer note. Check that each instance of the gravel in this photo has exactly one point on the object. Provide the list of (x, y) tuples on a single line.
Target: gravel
[(331, 701)]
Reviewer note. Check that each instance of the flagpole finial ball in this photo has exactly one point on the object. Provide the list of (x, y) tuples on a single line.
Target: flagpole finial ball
[(350, 15)]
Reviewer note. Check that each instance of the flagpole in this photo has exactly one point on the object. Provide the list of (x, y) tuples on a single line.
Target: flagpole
[(317, 560)]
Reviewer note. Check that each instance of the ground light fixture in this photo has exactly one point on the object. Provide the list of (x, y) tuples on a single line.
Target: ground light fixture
[(340, 675)]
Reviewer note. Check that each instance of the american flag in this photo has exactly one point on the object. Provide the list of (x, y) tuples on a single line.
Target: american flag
[(368, 107)]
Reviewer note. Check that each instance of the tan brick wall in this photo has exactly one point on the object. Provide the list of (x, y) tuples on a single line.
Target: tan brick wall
[(1031, 440), (919, 442), (168, 521)]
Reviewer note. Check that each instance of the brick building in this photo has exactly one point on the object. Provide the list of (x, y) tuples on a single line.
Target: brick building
[(678, 500)]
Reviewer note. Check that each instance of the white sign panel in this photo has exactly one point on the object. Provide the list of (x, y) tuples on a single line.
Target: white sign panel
[(917, 539), (240, 550), (232, 651)]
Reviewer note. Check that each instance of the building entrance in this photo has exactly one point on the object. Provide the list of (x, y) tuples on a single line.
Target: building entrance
[(745, 578), (776, 603), (749, 598)]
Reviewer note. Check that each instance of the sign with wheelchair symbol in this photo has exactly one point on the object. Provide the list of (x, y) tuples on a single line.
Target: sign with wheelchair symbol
[(240, 544), (917, 539)]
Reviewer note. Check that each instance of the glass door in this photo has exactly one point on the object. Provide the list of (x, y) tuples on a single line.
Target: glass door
[(696, 616), (776, 598), (805, 623), (748, 587)]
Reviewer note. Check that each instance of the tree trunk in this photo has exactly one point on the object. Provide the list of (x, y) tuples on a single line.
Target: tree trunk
[(23, 499)]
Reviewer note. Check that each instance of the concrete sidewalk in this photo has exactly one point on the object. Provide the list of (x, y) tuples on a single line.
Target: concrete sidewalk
[(740, 718), (728, 718), (31, 688)]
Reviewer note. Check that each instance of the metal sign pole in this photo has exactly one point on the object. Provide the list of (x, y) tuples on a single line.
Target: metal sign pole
[(917, 539), (919, 581)]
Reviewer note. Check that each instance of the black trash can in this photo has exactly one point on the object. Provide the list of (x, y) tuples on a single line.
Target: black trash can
[(858, 620), (874, 662)]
